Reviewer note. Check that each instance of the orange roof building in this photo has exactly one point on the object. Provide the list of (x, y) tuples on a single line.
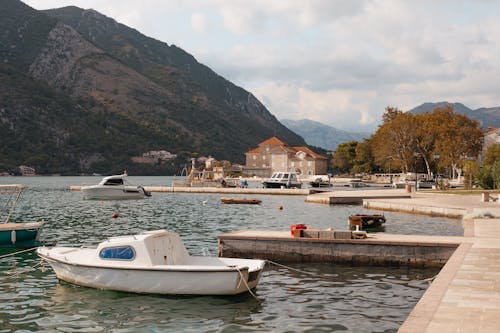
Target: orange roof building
[(274, 155)]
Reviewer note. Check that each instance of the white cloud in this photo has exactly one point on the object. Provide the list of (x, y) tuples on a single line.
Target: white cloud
[(334, 61), (200, 22)]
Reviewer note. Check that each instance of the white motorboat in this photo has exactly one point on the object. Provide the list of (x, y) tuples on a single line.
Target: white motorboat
[(282, 180), (152, 262), (114, 188)]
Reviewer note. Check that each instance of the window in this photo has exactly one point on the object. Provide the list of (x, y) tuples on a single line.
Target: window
[(118, 252), (114, 181)]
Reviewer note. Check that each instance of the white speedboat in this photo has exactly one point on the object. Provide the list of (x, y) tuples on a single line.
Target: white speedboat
[(282, 180), (152, 262), (114, 188)]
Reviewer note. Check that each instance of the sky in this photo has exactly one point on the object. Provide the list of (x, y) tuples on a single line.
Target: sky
[(338, 62)]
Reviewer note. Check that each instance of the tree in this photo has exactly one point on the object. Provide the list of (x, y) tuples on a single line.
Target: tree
[(364, 161), (344, 157), (389, 114), (458, 137), (395, 139), (492, 154), (425, 138)]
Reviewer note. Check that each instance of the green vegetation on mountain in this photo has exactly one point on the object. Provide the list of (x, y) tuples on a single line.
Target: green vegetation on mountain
[(81, 93)]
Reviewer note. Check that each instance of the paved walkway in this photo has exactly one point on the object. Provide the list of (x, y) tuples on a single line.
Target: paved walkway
[(465, 296)]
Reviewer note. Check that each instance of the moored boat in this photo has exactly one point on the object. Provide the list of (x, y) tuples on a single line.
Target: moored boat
[(282, 180), (366, 221), (251, 201), (114, 187), (22, 235), (153, 262)]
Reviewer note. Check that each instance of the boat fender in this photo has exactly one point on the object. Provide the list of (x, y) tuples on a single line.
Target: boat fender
[(13, 237)]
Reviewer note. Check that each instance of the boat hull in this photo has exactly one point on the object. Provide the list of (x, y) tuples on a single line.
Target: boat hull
[(19, 234), (113, 193), (158, 281), (364, 222), (249, 201), (280, 185)]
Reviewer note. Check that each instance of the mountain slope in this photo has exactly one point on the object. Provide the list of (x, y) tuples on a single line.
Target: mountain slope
[(321, 135), (129, 92), (174, 69), (485, 116)]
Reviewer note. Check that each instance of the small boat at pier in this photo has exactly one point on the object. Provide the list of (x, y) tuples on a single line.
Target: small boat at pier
[(282, 180), (154, 262), (15, 235), (249, 201), (366, 221), (114, 187)]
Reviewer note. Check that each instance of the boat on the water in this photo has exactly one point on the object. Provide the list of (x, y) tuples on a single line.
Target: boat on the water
[(154, 262), (20, 235), (282, 180), (366, 221), (114, 187), (250, 201)]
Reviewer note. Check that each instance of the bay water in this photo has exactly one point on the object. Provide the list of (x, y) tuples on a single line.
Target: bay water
[(329, 298)]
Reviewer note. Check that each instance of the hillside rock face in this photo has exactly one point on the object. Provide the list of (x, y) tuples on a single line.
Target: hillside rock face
[(112, 93), (58, 58)]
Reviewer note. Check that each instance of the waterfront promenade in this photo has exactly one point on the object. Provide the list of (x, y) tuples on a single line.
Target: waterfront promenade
[(465, 296)]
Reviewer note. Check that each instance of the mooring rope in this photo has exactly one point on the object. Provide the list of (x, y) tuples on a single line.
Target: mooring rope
[(246, 285), (291, 268), (18, 252)]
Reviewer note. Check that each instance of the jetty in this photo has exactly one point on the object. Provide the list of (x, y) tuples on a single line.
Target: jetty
[(356, 197), (464, 296), (223, 190)]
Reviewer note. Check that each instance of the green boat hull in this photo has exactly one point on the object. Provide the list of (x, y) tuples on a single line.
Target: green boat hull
[(19, 238)]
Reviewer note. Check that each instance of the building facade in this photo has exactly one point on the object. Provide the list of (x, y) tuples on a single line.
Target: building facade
[(273, 155)]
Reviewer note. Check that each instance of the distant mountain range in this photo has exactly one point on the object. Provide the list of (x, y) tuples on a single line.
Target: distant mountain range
[(485, 116), (321, 135), (328, 137), (80, 93)]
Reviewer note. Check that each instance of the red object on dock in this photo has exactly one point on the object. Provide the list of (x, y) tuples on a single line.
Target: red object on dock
[(297, 227)]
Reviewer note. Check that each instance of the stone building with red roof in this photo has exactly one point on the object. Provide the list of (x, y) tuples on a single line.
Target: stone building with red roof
[(274, 155)]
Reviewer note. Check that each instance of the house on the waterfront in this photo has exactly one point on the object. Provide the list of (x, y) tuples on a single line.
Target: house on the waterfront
[(26, 170), (273, 155)]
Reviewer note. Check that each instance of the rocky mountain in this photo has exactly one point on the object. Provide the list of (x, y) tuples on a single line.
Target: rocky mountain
[(485, 116), (321, 135), (86, 93)]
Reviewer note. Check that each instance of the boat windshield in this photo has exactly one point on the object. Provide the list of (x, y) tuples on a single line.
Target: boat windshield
[(118, 252), (114, 182)]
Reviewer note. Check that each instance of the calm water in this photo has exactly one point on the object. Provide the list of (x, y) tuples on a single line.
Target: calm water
[(332, 298)]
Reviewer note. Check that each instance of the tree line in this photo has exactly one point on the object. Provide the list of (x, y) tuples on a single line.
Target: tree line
[(437, 142)]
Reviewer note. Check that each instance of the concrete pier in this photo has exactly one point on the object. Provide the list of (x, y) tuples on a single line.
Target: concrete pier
[(355, 197), (228, 190), (377, 249)]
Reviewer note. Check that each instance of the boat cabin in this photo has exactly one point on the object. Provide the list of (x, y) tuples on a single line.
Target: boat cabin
[(159, 247)]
